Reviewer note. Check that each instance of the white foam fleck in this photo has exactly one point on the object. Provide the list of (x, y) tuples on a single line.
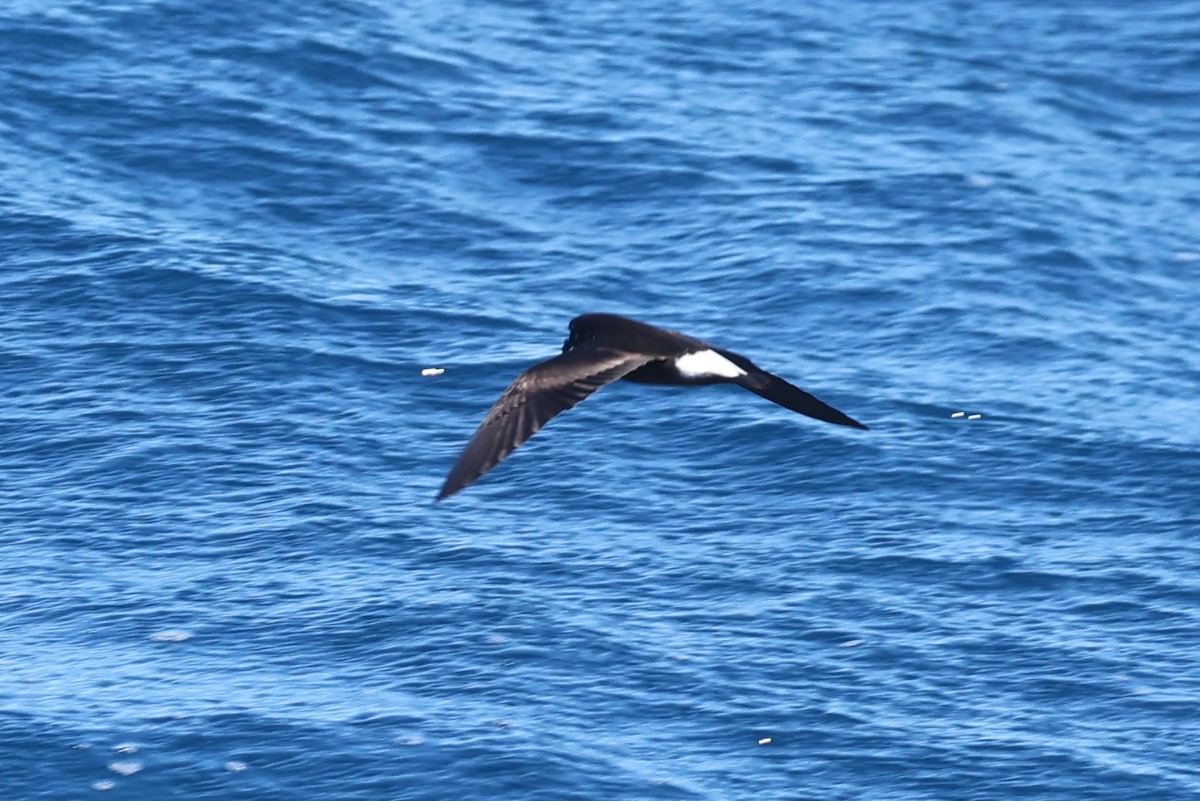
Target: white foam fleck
[(104, 784), (235, 766), (125, 768), (707, 364), (172, 635), (428, 371)]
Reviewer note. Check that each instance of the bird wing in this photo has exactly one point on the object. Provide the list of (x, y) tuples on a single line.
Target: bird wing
[(537, 395), (788, 395)]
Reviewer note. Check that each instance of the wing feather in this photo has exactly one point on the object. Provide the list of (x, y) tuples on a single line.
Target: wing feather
[(532, 400)]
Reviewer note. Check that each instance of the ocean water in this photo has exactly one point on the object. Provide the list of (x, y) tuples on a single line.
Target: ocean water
[(232, 235)]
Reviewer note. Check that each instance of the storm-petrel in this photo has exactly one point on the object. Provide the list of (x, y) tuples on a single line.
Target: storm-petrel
[(603, 348)]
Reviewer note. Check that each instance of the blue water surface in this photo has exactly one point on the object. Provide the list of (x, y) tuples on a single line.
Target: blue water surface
[(232, 235)]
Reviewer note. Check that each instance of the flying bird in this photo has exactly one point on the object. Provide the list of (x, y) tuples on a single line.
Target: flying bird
[(601, 349)]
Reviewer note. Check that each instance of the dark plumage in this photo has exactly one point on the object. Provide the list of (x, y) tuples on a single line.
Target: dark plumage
[(603, 348)]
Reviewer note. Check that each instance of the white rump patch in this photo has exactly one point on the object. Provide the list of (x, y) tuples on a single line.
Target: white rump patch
[(707, 364)]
